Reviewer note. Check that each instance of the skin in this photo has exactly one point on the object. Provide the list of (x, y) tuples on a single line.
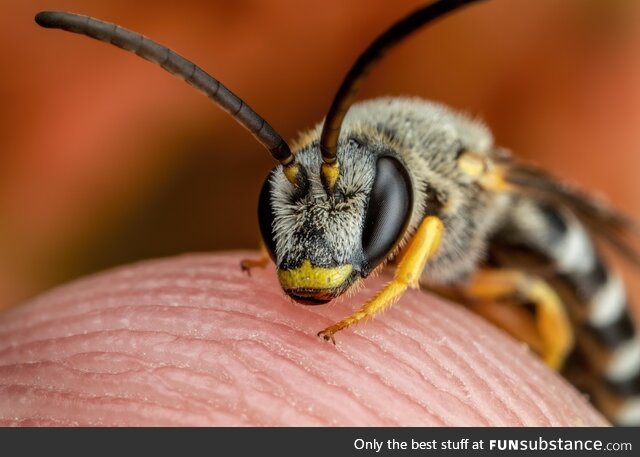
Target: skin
[(192, 341)]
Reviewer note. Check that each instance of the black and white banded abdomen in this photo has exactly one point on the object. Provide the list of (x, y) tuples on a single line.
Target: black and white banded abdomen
[(550, 242)]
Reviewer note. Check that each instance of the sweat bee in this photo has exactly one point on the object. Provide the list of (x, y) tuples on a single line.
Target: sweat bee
[(413, 182)]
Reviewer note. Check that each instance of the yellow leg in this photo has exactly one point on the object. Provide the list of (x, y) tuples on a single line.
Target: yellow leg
[(261, 262), (552, 322), (422, 246)]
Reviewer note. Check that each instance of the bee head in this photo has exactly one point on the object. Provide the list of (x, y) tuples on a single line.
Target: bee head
[(325, 224), (323, 242)]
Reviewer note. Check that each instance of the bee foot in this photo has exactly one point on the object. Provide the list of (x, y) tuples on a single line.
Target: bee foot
[(327, 335), (247, 264)]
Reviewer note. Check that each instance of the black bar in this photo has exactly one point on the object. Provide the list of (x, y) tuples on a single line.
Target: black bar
[(321, 442)]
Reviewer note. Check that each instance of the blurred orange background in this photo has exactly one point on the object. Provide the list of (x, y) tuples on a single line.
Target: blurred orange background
[(106, 159)]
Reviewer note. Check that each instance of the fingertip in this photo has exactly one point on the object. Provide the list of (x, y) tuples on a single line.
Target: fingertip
[(193, 341)]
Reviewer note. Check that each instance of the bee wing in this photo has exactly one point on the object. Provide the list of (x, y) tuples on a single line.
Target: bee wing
[(602, 220)]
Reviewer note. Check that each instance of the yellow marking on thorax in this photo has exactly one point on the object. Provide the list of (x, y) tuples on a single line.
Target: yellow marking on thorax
[(487, 174), (494, 179), (309, 276), (472, 163)]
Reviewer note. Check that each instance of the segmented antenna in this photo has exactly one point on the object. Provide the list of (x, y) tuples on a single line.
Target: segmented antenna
[(348, 90), (180, 67)]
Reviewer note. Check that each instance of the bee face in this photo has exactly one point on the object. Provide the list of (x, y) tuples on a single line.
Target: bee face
[(321, 242)]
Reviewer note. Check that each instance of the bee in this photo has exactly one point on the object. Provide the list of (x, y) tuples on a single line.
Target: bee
[(412, 182)]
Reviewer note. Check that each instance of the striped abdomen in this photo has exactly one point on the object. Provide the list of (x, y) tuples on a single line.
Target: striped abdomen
[(551, 243)]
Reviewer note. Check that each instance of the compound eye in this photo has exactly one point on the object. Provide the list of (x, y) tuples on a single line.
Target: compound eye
[(265, 218), (388, 212)]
